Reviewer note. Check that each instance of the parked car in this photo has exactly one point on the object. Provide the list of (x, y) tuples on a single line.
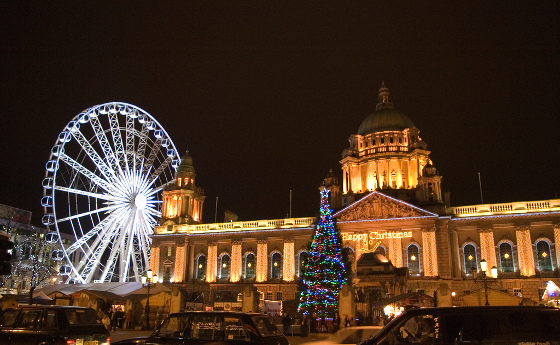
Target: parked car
[(52, 325), (472, 325), (348, 335), (198, 328)]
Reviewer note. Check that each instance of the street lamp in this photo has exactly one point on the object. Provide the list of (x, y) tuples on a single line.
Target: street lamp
[(483, 270), (148, 281)]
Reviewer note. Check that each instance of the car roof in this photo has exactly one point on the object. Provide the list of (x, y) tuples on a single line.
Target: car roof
[(481, 308), (43, 306), (189, 312)]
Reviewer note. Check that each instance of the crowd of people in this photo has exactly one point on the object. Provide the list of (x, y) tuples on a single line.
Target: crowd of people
[(116, 318)]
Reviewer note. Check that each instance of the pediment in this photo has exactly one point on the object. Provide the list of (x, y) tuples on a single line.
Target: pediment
[(377, 205)]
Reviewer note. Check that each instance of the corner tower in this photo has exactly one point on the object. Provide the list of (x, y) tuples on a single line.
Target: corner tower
[(386, 154), (182, 199)]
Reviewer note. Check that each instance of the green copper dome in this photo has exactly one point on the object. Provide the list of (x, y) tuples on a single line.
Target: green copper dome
[(385, 117), (186, 165)]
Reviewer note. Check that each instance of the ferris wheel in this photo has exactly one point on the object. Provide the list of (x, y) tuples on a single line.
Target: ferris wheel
[(103, 186)]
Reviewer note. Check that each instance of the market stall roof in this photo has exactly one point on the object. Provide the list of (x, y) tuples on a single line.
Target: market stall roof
[(119, 289)]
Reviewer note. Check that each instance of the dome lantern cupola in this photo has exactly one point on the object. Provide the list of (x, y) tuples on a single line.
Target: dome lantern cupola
[(383, 98)]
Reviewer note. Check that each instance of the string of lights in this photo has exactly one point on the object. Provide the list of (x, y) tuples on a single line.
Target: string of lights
[(323, 273)]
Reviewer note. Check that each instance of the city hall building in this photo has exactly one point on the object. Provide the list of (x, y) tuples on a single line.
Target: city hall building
[(401, 234)]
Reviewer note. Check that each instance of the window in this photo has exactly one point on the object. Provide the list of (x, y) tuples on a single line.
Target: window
[(413, 260), (506, 257), (206, 327), (279, 295), (50, 319), (8, 318), (381, 250), (517, 292), (30, 319), (303, 256), (543, 256), (416, 329), (542, 291), (169, 251), (250, 266), (224, 267), (201, 268), (276, 266), (469, 255), (233, 328), (269, 295)]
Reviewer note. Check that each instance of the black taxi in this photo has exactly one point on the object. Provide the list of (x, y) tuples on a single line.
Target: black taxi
[(198, 328), (52, 325)]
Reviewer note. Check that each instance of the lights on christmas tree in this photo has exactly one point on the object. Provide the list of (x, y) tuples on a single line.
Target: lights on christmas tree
[(324, 272)]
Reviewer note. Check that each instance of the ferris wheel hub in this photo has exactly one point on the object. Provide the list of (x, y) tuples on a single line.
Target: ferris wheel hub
[(140, 201)]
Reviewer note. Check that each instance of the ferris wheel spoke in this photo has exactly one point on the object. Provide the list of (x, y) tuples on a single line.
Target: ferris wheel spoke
[(89, 259), (143, 140), (99, 162), (130, 153), (105, 146), (117, 139), (116, 246), (160, 169), (99, 210), (100, 247), (153, 154), (84, 171), (85, 193), (94, 231)]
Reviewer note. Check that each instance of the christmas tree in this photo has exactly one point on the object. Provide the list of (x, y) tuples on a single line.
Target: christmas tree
[(324, 272)]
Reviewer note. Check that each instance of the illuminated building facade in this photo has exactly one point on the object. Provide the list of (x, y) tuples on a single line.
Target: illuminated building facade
[(390, 203)]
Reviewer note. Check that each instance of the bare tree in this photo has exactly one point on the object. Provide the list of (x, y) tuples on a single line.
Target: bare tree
[(32, 255)]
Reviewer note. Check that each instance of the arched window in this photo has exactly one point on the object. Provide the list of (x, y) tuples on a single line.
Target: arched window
[(303, 256), (250, 266), (276, 265), (413, 259), (543, 256), (506, 257), (469, 255), (381, 250), (224, 267), (201, 268)]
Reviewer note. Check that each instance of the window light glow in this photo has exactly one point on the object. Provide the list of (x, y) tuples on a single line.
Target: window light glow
[(288, 269), (211, 263), (236, 264), (262, 261)]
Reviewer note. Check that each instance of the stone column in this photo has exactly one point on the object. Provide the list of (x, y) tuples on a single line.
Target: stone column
[(429, 251), (288, 269), (395, 252), (211, 262), (190, 276), (262, 261), (487, 248), (236, 259), (455, 255), (525, 251)]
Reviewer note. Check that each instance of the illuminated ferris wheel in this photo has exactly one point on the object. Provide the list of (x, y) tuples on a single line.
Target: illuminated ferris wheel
[(103, 185)]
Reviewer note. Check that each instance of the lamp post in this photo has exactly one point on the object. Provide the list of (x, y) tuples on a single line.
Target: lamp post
[(148, 281), (483, 270)]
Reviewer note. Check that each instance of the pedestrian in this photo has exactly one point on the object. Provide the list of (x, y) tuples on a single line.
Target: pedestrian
[(128, 319), (304, 326), (347, 321), (336, 323), (286, 322)]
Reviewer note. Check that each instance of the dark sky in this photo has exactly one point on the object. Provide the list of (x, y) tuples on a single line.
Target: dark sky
[(266, 94)]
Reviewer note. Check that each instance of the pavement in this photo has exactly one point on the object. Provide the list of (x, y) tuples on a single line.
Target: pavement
[(294, 340)]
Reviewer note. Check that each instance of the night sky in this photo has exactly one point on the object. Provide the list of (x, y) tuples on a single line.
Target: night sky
[(265, 95)]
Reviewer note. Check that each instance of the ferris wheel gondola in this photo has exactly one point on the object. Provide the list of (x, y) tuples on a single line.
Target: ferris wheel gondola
[(103, 185)]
